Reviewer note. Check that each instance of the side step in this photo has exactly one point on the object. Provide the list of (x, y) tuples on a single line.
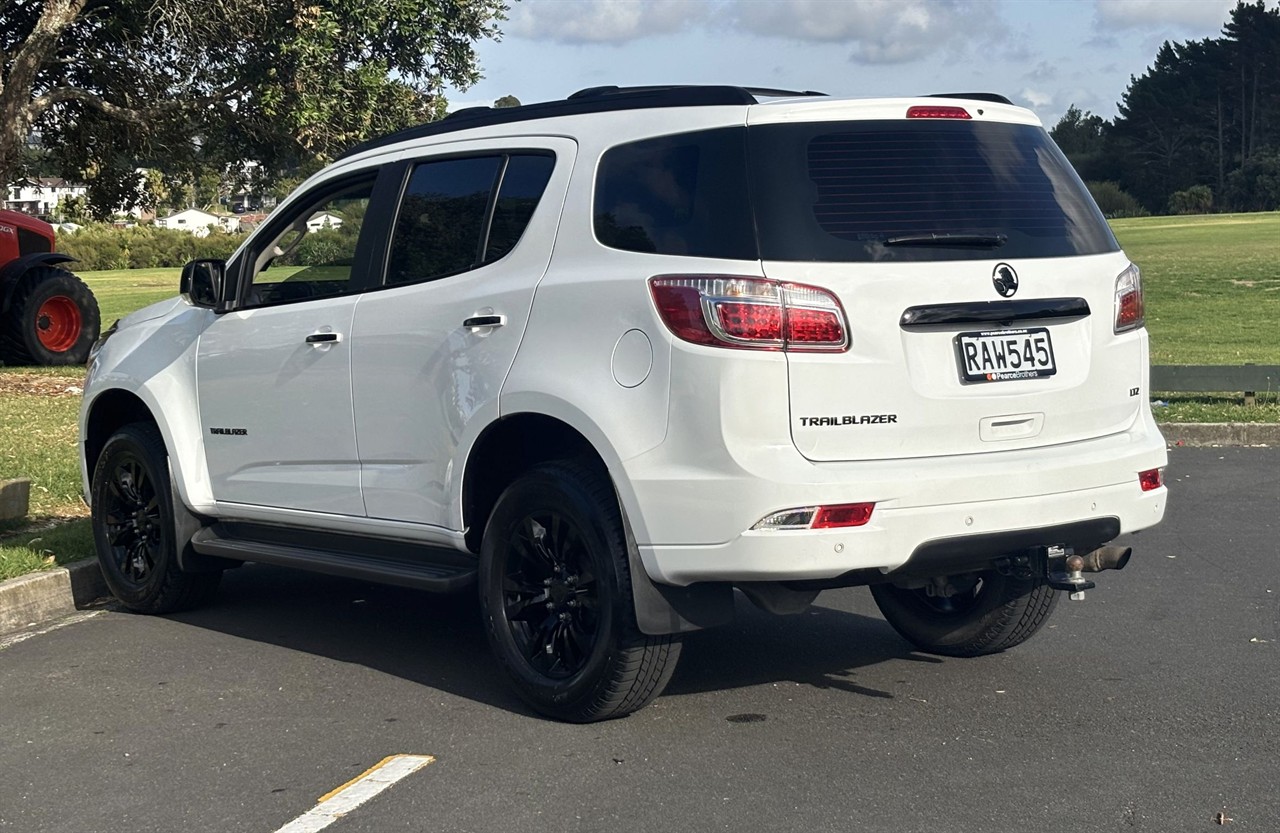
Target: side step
[(382, 561)]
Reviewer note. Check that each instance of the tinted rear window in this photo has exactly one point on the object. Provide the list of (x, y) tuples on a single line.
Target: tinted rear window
[(441, 219), (677, 195), (523, 182), (836, 191), (449, 221)]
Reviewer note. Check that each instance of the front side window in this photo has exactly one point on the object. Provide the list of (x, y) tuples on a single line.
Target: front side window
[(450, 220), (313, 256)]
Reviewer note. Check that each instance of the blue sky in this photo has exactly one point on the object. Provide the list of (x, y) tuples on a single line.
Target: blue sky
[(1043, 54)]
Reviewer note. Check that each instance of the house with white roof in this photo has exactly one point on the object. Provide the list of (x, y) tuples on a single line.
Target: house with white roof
[(322, 220), (198, 222)]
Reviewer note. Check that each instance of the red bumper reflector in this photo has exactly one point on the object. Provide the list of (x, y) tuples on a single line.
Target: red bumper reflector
[(847, 514), (1151, 479)]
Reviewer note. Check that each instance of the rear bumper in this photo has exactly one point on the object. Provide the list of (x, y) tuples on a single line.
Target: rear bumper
[(1093, 484), (894, 535)]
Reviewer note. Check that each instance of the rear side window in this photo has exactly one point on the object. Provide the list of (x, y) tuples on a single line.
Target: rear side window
[(677, 195), (870, 190), (523, 182), (450, 221)]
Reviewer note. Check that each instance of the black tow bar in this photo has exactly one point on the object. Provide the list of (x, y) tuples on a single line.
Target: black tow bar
[(1063, 569)]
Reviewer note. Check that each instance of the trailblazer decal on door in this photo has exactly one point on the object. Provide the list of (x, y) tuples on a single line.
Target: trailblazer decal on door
[(848, 419), (235, 432)]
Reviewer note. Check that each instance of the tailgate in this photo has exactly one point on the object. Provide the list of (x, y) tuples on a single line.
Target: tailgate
[(978, 277), (901, 389)]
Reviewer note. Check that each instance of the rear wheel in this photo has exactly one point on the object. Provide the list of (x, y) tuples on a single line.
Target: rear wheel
[(134, 526), (555, 589), (984, 613), (52, 320)]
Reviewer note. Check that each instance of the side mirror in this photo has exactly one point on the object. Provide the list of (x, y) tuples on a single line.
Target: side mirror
[(201, 283)]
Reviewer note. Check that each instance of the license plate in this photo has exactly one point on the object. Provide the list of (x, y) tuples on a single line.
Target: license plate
[(1003, 355)]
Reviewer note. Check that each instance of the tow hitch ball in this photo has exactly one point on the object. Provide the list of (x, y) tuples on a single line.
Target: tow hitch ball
[(1064, 570)]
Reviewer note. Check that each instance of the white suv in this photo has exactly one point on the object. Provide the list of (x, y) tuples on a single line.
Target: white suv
[(612, 357)]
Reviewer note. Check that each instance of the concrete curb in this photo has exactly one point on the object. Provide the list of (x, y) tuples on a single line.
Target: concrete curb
[(1199, 434), (35, 598)]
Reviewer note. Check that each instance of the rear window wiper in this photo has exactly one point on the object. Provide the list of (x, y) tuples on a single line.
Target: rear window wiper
[(987, 241)]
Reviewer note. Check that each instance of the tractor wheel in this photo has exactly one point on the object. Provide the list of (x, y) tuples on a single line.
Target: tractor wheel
[(52, 319)]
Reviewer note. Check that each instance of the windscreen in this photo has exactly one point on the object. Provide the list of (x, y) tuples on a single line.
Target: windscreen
[(917, 190)]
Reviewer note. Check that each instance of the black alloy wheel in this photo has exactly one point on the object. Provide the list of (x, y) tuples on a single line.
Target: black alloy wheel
[(550, 595), (555, 591), (134, 526)]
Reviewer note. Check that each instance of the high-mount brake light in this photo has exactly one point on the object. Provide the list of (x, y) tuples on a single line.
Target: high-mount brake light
[(836, 516), (1151, 479), (1129, 307), (750, 313), (936, 112)]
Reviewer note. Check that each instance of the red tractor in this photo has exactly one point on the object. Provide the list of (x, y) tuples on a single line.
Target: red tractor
[(47, 314)]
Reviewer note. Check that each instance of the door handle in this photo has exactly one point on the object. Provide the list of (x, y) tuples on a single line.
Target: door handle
[(484, 321), (324, 338)]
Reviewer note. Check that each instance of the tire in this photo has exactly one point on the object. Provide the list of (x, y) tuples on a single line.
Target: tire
[(555, 591), (52, 319), (134, 526), (997, 612)]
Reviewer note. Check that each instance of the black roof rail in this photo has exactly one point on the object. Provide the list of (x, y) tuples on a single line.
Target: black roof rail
[(992, 97), (754, 92), (590, 100)]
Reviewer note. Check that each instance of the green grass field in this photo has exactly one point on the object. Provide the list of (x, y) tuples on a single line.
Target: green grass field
[(121, 291), (1212, 287)]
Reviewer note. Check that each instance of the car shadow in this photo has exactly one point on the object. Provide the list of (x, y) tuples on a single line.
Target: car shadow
[(439, 641), (822, 647)]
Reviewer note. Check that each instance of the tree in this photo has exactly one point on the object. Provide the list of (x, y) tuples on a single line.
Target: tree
[(507, 101), (203, 84), (1201, 114), (72, 210), (1197, 199), (1082, 137)]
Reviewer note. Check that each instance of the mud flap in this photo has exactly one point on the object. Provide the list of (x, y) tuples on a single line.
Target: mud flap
[(663, 609)]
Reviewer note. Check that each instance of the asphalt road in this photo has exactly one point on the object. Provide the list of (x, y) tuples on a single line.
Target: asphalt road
[(1153, 705)]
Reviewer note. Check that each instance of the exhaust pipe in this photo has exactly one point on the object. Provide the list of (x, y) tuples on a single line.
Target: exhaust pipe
[(1106, 558)]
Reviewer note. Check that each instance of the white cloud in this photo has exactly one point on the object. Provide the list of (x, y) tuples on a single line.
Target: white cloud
[(875, 31), (603, 21), (1203, 15), (878, 31), (1036, 98)]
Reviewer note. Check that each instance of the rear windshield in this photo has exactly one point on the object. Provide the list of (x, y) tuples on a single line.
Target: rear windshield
[(849, 191), (841, 191)]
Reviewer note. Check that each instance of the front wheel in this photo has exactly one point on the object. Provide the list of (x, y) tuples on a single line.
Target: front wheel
[(969, 615), (555, 590), (134, 526)]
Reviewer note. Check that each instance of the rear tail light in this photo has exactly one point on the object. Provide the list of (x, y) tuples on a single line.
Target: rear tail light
[(1151, 479), (1129, 312), (750, 313), (935, 112), (836, 516)]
